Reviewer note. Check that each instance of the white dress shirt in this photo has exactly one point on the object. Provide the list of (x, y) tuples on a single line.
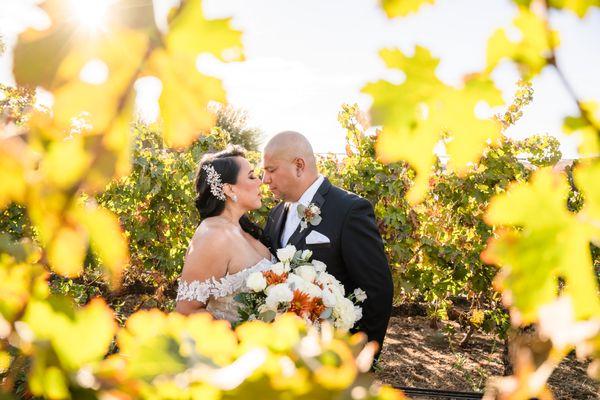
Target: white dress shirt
[(293, 220)]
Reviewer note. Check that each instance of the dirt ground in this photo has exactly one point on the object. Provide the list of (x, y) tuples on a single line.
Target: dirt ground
[(416, 355)]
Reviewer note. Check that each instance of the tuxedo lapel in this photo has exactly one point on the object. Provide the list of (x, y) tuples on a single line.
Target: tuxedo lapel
[(319, 200), (279, 224)]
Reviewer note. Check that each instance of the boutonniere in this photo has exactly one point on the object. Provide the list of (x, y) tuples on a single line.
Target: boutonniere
[(309, 215)]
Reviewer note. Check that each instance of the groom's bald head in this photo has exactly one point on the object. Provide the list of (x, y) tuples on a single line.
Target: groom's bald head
[(289, 145), (290, 166)]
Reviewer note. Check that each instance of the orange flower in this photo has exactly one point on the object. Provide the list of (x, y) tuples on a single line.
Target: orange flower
[(272, 278), (316, 308), (300, 304)]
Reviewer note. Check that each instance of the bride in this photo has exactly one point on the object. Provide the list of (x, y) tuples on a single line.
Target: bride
[(225, 248)]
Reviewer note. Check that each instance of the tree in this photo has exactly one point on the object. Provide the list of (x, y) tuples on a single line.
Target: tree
[(234, 122)]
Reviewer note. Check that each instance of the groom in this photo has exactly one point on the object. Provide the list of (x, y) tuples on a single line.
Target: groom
[(346, 239)]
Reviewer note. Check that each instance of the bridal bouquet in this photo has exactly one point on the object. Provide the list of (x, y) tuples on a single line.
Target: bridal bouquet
[(295, 284)]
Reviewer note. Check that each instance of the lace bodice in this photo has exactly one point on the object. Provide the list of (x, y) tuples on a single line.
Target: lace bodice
[(218, 294)]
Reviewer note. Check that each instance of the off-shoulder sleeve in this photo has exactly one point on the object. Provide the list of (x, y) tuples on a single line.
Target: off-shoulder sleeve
[(194, 290)]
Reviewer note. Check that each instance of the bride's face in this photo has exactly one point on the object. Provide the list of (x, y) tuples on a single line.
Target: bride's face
[(247, 187)]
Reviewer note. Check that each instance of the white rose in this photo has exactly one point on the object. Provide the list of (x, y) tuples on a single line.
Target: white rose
[(279, 268), (310, 289), (329, 299), (360, 295), (306, 254), (277, 294), (307, 272), (357, 313), (294, 280), (319, 265), (344, 314), (256, 282), (286, 254), (336, 287), (325, 278)]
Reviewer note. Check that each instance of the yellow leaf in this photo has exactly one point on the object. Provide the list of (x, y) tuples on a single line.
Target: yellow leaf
[(531, 50), (579, 7), (588, 128), (114, 62), (214, 339), (402, 8), (5, 360), (66, 162), (587, 178), (190, 33), (12, 179), (39, 55), (78, 336), (18, 283), (184, 98), (67, 251), (551, 244), (55, 384), (419, 112), (107, 240), (340, 374)]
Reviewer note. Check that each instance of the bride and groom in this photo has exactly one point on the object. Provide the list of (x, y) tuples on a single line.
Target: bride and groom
[(337, 226)]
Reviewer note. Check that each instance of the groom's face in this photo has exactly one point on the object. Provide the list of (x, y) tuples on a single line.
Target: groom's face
[(280, 175)]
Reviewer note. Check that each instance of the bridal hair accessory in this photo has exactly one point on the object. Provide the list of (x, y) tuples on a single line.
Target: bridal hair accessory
[(214, 180)]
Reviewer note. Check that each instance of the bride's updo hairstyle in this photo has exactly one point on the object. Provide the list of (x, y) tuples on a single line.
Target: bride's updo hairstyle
[(227, 168)]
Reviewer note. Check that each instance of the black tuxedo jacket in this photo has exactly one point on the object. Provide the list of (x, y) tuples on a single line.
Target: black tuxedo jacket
[(355, 254)]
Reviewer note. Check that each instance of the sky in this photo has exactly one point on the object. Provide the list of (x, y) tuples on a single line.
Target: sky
[(304, 59)]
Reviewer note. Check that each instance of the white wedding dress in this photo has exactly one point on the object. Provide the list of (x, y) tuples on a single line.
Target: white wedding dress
[(218, 294)]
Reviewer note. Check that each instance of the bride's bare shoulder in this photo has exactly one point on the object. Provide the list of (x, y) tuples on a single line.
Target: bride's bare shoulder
[(209, 250)]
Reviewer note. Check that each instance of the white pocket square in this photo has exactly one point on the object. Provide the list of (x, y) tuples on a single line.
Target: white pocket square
[(315, 238)]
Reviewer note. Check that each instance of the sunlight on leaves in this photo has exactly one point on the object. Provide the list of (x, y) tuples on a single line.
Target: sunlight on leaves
[(185, 97), (422, 110), (122, 52), (552, 244), (78, 336), (529, 44), (191, 34), (107, 240), (67, 251)]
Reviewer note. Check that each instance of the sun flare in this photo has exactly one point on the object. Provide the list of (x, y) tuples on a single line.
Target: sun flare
[(91, 14)]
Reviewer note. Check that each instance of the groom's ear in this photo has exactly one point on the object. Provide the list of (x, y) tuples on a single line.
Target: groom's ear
[(300, 166)]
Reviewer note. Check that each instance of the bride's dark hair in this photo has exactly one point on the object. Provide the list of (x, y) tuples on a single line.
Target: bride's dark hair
[(227, 167)]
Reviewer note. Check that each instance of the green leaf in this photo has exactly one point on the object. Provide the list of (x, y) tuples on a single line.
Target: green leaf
[(267, 316)]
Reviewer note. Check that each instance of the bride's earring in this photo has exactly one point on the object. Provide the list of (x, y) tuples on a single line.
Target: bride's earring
[(234, 198)]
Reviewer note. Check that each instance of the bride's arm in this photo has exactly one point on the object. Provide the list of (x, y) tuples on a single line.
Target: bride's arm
[(207, 258)]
